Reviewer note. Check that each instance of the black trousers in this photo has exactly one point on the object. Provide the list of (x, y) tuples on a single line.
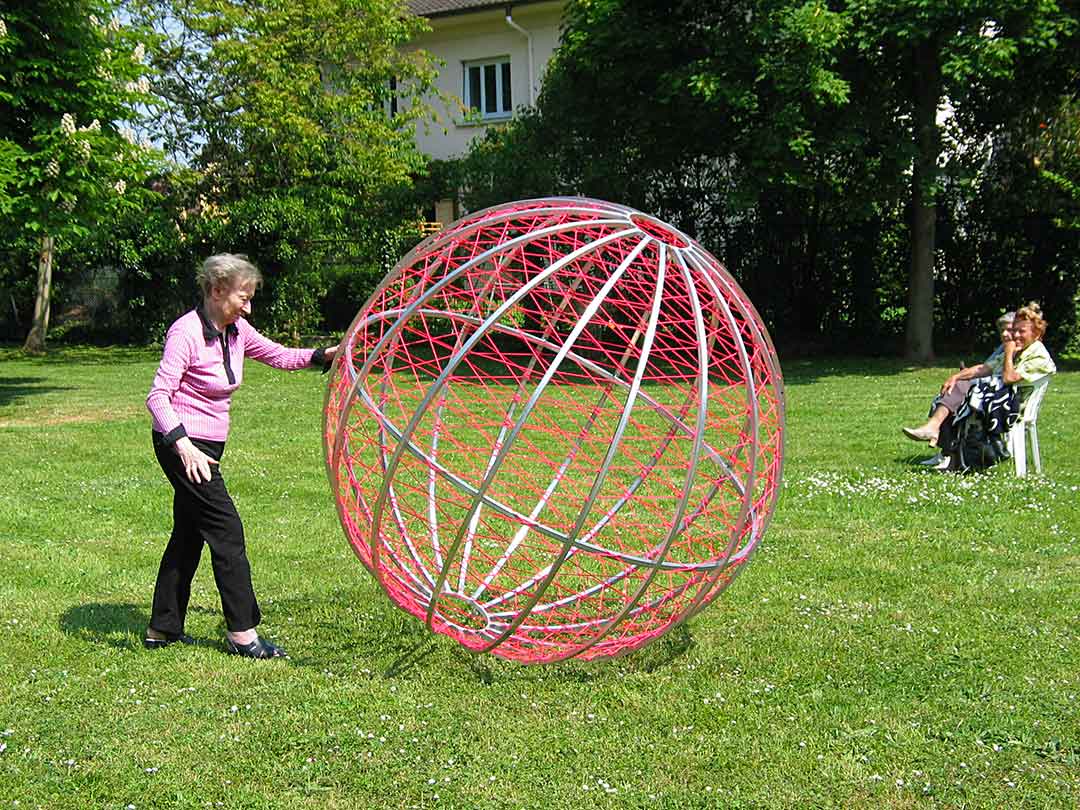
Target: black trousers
[(952, 400), (202, 513)]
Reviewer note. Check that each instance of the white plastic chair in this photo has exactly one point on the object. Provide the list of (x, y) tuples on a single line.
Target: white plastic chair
[(1028, 423)]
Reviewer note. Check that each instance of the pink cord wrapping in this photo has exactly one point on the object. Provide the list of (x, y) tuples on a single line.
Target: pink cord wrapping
[(565, 418)]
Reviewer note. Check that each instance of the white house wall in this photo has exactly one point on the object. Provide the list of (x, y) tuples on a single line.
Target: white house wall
[(461, 38)]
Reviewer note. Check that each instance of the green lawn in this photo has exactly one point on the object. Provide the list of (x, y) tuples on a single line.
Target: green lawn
[(903, 638)]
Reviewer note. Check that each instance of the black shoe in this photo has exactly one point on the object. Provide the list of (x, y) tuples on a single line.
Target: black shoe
[(259, 648), (157, 643)]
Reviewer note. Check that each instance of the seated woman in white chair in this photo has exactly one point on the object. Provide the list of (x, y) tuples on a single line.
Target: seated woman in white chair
[(955, 389), (1033, 361), (1022, 359)]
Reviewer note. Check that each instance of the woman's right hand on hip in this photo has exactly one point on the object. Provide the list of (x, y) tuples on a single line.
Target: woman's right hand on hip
[(196, 462)]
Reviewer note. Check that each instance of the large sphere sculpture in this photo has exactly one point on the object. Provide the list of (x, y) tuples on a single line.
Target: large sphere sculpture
[(555, 430)]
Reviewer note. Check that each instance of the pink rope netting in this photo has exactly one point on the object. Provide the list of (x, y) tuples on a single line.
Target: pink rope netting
[(555, 430)]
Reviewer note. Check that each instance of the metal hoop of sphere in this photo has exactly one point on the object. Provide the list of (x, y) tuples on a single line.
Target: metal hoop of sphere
[(555, 430)]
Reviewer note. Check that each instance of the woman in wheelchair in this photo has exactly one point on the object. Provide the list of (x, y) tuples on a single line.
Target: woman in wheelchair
[(996, 388)]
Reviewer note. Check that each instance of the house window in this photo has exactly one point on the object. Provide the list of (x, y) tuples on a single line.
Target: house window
[(487, 88), (392, 101)]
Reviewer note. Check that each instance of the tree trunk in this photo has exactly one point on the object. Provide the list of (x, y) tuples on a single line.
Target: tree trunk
[(918, 340), (39, 327)]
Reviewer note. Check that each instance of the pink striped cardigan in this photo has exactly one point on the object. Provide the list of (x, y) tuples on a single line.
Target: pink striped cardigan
[(201, 367)]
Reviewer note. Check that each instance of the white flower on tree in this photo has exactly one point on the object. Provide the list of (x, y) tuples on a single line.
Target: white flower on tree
[(120, 186), (3, 29), (67, 124), (139, 52), (53, 169)]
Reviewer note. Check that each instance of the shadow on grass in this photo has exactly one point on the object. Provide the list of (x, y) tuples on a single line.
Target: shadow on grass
[(119, 625), (912, 459), (411, 658), (807, 370), (116, 625), (83, 355), (914, 463), (14, 389), (662, 653), (350, 624), (398, 645), (658, 655)]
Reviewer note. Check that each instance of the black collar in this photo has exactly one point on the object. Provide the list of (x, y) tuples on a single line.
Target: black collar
[(211, 332)]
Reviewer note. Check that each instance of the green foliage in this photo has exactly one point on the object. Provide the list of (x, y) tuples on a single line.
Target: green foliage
[(1001, 229), (289, 93), (739, 123), (1057, 158), (315, 278), (783, 135), (515, 160), (280, 108), (988, 60), (9, 174), (70, 78)]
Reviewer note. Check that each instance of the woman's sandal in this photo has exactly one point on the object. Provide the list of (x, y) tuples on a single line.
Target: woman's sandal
[(152, 643), (259, 648)]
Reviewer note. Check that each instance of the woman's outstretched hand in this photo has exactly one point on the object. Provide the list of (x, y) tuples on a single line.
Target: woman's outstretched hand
[(196, 462), (330, 352)]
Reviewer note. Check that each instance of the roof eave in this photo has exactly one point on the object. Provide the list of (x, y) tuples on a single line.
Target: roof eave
[(458, 12)]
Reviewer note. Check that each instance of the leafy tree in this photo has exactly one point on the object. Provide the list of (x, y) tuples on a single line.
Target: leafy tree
[(733, 120), (70, 76), (281, 108), (799, 138), (985, 59), (1057, 158), (1001, 240)]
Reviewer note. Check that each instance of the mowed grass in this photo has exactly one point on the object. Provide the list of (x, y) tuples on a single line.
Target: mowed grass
[(902, 639)]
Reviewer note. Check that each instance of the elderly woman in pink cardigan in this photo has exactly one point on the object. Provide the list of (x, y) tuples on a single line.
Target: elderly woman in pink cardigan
[(202, 365)]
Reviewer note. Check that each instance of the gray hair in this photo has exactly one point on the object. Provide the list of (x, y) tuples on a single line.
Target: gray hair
[(1008, 317), (227, 270)]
